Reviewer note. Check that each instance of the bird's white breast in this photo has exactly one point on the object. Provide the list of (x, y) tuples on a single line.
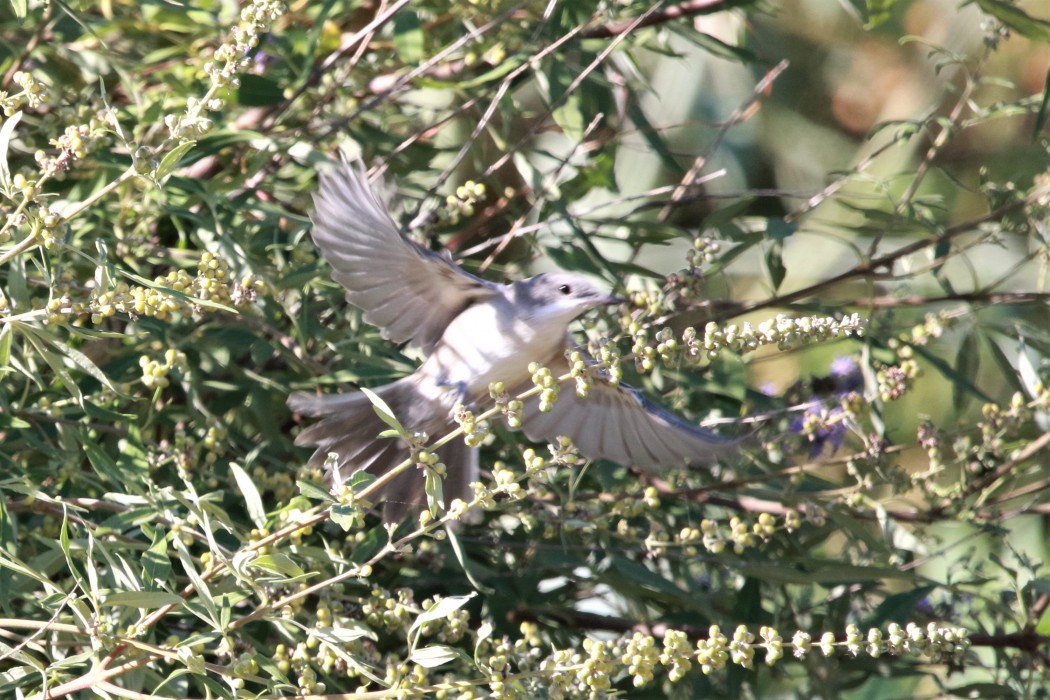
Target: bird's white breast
[(490, 341)]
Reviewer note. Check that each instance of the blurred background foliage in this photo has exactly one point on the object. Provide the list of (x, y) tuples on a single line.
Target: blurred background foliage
[(721, 161)]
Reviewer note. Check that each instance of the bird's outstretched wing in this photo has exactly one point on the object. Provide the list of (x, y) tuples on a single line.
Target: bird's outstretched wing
[(410, 293), (618, 423)]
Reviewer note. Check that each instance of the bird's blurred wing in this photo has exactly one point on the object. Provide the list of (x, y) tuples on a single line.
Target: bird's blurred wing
[(618, 423), (410, 293)]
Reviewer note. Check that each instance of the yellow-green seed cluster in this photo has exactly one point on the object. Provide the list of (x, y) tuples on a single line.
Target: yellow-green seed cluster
[(463, 203), (510, 407), (34, 94), (474, 430), (155, 372), (230, 59), (213, 283), (784, 332), (548, 383)]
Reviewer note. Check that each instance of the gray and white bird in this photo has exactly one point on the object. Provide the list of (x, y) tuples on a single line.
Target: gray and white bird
[(472, 332)]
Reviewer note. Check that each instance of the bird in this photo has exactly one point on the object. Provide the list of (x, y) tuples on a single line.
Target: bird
[(472, 332)]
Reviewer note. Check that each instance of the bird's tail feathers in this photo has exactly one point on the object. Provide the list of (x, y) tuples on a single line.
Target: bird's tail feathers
[(349, 427)]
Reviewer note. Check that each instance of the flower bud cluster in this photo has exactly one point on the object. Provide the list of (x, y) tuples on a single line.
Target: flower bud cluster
[(191, 452), (607, 357), (60, 309), (543, 379), (511, 408), (155, 373), (429, 461), (977, 453), (782, 331), (894, 380), (474, 430), (999, 420), (715, 540), (677, 654), (462, 204), (641, 656), (74, 144), (579, 371), (280, 483), (34, 94), (717, 651), (703, 252), (231, 58), (564, 452), (212, 283), (43, 224)]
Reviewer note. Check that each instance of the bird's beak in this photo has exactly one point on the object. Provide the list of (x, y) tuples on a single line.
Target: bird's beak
[(611, 300)]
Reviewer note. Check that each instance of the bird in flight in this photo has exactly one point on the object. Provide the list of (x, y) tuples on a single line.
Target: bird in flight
[(472, 333)]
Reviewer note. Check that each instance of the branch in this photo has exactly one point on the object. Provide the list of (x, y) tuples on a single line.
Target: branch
[(871, 268), (686, 9)]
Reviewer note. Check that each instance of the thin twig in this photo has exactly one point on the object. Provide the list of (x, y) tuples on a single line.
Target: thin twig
[(739, 115), (650, 19)]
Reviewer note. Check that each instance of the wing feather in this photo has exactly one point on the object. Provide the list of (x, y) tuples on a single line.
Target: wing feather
[(410, 293), (618, 423)]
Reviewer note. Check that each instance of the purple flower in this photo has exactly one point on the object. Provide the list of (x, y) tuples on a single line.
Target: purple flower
[(823, 428), (845, 372)]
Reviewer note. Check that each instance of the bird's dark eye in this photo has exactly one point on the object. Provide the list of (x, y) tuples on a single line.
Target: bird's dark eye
[(565, 289)]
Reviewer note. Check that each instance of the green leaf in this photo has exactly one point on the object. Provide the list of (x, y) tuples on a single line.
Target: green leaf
[(823, 572), (6, 132), (985, 691), (875, 12), (510, 64), (1040, 116), (1026, 370), (6, 339), (1017, 19), (345, 515), (252, 499), (359, 480), (461, 557), (156, 566), (408, 36), (206, 607), (775, 264), (84, 363), (652, 135), (103, 464), (44, 347), (259, 91), (570, 257), (967, 362), (713, 45), (899, 607), (951, 373), (384, 412), (20, 7), (433, 486), (441, 610), (142, 599), (278, 564), (778, 229), (437, 655), (349, 631), (171, 160), (314, 492), (367, 547)]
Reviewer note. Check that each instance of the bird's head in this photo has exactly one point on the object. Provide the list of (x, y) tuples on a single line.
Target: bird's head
[(560, 296)]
